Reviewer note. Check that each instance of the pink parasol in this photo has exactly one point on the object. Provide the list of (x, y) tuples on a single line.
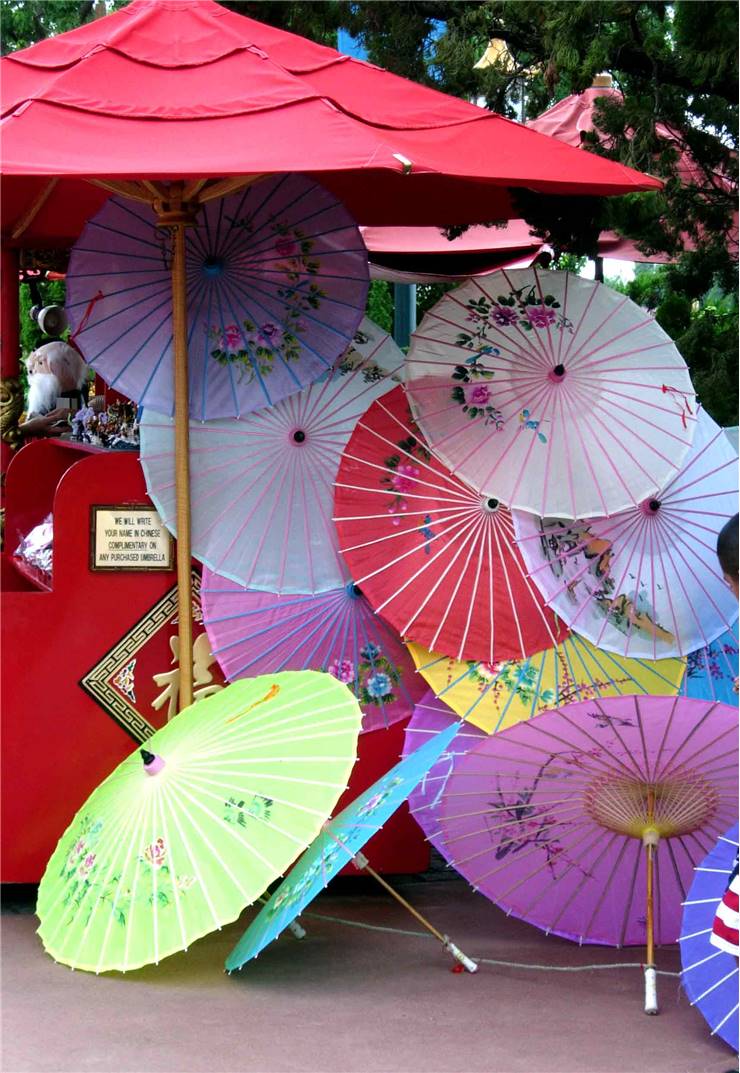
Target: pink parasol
[(572, 819), (435, 558), (254, 633), (645, 582), (555, 394)]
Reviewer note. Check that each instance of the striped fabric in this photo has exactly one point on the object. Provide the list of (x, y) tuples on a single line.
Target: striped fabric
[(725, 928)]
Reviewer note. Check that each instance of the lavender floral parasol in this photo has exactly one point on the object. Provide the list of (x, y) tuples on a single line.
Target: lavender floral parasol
[(645, 582), (277, 278)]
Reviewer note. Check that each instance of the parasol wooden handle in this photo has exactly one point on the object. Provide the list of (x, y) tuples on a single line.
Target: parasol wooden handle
[(182, 466), (360, 861), (650, 838)]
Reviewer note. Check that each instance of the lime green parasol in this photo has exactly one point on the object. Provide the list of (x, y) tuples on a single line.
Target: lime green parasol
[(186, 832)]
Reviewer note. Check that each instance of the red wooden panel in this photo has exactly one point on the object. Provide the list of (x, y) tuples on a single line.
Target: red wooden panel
[(58, 743)]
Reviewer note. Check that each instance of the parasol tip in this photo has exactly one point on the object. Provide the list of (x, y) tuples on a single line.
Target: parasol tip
[(152, 764)]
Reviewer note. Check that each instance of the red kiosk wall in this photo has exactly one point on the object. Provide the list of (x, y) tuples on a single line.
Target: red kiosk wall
[(57, 742)]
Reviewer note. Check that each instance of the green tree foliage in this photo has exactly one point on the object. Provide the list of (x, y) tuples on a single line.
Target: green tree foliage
[(318, 20), (705, 331), (676, 65), (380, 304), (23, 22), (51, 293)]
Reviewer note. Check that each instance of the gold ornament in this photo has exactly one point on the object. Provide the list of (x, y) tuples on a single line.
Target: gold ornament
[(11, 409)]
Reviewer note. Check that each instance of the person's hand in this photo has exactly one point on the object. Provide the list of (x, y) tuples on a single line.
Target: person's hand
[(50, 424)]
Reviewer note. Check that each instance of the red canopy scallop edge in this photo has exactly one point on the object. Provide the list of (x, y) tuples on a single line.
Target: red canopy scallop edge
[(163, 90)]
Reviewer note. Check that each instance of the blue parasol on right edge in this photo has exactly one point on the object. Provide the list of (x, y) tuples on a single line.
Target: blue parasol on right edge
[(710, 975)]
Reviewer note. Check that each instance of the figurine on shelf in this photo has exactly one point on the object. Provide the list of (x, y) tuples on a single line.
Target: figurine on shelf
[(56, 371), (57, 382), (115, 427)]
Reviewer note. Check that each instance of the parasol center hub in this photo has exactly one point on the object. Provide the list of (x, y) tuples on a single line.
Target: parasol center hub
[(214, 266), (298, 436), (490, 504), (353, 591), (556, 374), (650, 507), (674, 805)]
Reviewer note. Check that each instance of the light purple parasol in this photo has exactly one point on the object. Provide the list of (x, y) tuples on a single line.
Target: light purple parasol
[(253, 632), (588, 820), (645, 582), (276, 277), (551, 393), (432, 715)]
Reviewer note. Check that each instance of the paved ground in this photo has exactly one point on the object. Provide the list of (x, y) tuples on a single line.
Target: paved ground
[(353, 1000)]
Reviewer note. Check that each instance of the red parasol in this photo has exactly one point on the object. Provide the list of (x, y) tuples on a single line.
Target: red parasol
[(436, 559)]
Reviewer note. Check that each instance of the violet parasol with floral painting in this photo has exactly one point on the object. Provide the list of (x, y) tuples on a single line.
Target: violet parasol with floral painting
[(587, 821), (276, 282)]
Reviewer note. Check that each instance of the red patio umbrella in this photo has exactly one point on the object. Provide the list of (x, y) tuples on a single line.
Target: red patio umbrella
[(177, 103), (162, 90), (571, 118), (424, 255)]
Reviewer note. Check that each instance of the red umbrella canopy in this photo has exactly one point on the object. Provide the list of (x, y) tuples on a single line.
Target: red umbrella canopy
[(571, 118), (187, 89), (423, 254)]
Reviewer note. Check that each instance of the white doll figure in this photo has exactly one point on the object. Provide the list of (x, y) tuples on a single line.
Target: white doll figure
[(54, 369)]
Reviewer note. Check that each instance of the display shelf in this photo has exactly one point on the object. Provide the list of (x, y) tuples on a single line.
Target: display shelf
[(38, 578)]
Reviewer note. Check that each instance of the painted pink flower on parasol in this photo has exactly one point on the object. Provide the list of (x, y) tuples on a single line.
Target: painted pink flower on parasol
[(645, 582), (608, 401), (548, 818)]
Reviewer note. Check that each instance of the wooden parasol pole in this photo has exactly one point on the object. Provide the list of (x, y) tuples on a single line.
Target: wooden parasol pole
[(176, 205), (650, 840), (360, 861), (175, 215)]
